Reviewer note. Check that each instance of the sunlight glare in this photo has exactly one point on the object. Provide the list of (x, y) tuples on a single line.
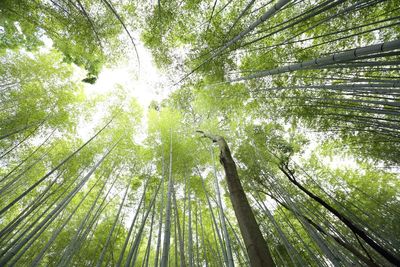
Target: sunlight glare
[(149, 85)]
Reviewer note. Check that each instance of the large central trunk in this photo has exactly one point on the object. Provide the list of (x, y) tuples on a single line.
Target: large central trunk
[(256, 246)]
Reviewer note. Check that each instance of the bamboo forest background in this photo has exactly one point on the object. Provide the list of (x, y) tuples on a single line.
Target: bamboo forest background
[(306, 93)]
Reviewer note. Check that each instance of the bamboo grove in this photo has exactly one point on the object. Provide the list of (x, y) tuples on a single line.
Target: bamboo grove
[(278, 145)]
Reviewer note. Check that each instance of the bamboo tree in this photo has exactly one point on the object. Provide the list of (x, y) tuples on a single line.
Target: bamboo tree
[(82, 233), (190, 234), (51, 216), (132, 225), (160, 211), (184, 210), (148, 248), (131, 259), (38, 258), (7, 207), (318, 9), (239, 241), (348, 246), (361, 233), (181, 243), (167, 230), (29, 225), (269, 13), (175, 242), (214, 224), (101, 258), (27, 157), (331, 59), (203, 245), (197, 235), (242, 13), (42, 198)]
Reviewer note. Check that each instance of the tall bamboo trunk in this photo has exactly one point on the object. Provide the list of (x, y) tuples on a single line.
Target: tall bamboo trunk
[(103, 252), (190, 244), (167, 230), (354, 228), (334, 58), (161, 212), (132, 256), (203, 247), (53, 214), (181, 244), (215, 226), (121, 255)]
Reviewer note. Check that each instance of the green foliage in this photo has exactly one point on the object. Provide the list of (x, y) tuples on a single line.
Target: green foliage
[(67, 158), (80, 30), (41, 93)]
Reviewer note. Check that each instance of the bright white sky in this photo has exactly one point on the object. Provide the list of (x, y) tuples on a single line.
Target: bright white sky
[(149, 85)]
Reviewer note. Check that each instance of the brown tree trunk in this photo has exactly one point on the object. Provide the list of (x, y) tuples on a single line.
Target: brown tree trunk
[(256, 246)]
